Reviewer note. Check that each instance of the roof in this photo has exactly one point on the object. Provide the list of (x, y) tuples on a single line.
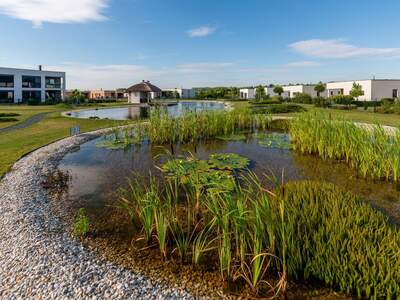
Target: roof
[(144, 86)]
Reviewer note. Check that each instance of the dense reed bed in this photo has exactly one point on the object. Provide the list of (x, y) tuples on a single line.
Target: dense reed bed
[(370, 150), (263, 238)]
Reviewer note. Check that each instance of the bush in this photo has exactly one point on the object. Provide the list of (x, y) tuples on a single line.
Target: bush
[(339, 239), (279, 108), (366, 103), (342, 99), (344, 106), (302, 98), (265, 101), (321, 102), (33, 101)]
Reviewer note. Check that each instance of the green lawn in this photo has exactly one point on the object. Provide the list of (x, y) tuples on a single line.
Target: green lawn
[(16, 143)]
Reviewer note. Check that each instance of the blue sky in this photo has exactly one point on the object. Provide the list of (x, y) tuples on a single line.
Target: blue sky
[(115, 43)]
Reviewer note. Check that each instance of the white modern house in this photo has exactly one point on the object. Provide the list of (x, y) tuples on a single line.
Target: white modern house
[(143, 92), (292, 90), (247, 93), (183, 93), (21, 85), (374, 89)]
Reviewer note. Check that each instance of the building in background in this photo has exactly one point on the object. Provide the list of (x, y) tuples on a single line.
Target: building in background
[(143, 92), (247, 93), (180, 93), (292, 90), (374, 89), (23, 85)]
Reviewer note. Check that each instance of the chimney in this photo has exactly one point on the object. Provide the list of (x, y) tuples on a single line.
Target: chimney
[(40, 67)]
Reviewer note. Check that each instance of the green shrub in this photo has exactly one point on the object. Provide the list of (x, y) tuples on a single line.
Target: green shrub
[(265, 101), (342, 241), (279, 108), (302, 98), (344, 106), (33, 101), (342, 99), (321, 102), (81, 224)]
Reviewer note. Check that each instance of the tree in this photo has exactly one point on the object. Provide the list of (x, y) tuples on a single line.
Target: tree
[(319, 88), (260, 92), (76, 97), (278, 90), (356, 91)]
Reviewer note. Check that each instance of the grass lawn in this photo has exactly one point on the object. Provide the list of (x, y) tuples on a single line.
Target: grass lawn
[(24, 111), (16, 143)]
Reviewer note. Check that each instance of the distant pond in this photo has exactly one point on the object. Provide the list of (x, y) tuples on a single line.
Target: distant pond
[(141, 112)]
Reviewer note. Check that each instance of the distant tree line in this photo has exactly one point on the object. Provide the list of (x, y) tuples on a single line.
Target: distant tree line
[(218, 93)]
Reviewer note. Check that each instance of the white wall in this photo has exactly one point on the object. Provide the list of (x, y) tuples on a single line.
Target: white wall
[(384, 89), (134, 97), (183, 93), (247, 93), (18, 73), (333, 88), (305, 89)]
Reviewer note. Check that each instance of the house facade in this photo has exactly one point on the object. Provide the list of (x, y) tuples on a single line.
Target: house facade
[(183, 93), (247, 93), (374, 89), (292, 90), (22, 85), (143, 92)]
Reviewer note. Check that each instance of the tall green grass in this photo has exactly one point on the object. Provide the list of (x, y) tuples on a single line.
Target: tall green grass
[(370, 150), (302, 230)]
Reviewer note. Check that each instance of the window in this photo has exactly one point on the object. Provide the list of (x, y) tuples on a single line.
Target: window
[(31, 82), (53, 82), (31, 95), (6, 81), (394, 93), (53, 95), (6, 96)]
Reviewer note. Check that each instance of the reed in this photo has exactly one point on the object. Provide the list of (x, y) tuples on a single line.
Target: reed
[(302, 230), (372, 151)]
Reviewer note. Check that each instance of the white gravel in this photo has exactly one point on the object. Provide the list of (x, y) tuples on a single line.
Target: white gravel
[(39, 259)]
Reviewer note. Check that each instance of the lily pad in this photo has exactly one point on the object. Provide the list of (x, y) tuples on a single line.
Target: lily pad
[(228, 161), (233, 137), (111, 144), (182, 168)]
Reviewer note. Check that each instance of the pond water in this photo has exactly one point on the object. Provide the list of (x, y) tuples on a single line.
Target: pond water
[(98, 173), (141, 112)]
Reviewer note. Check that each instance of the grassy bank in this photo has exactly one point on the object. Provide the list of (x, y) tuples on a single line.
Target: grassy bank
[(16, 143)]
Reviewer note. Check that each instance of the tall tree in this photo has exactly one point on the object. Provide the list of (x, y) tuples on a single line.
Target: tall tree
[(319, 88), (356, 91), (260, 92), (278, 90)]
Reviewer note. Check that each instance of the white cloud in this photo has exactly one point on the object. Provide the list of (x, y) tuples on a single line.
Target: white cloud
[(201, 31), (302, 64), (54, 11), (337, 48)]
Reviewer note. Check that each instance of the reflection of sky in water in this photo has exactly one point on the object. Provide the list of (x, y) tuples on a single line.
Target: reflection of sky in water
[(136, 112), (98, 173)]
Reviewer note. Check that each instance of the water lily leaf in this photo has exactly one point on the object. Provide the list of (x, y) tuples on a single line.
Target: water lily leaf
[(229, 161)]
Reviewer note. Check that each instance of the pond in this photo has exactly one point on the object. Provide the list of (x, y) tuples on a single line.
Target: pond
[(141, 112), (97, 176), (97, 173)]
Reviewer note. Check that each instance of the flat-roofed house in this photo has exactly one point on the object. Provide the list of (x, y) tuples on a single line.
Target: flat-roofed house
[(374, 89), (292, 90), (183, 93), (247, 93), (23, 85), (143, 92)]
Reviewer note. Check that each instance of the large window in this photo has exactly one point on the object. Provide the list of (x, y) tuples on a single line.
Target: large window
[(31, 95), (53, 82), (53, 95), (6, 96), (31, 82), (6, 81)]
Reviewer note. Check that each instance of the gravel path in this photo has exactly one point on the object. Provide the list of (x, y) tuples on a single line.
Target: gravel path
[(32, 120), (38, 258)]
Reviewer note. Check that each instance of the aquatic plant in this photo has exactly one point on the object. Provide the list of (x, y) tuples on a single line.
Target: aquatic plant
[(273, 140), (81, 224), (228, 161), (300, 230), (369, 149)]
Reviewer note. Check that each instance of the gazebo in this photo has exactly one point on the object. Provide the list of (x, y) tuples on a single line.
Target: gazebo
[(143, 92)]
